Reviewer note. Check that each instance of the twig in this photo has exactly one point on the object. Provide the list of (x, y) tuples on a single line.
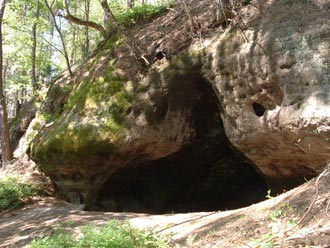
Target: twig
[(193, 24), (308, 151), (186, 221), (315, 198)]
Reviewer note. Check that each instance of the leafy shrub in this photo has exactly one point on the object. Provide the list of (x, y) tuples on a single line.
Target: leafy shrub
[(13, 192), (112, 235)]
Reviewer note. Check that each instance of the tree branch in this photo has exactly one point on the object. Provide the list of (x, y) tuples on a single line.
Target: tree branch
[(81, 22)]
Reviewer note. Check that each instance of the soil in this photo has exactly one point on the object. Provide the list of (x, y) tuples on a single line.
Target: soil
[(306, 206)]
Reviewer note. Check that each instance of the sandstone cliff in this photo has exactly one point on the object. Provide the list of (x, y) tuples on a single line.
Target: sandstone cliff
[(243, 95)]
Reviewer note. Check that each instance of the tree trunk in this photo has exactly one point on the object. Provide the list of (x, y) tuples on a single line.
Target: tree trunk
[(86, 41), (34, 50), (109, 17), (4, 127), (130, 4), (78, 21), (65, 51), (73, 56)]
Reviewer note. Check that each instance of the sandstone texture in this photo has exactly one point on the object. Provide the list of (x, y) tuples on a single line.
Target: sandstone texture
[(246, 90), (272, 74), (21, 122)]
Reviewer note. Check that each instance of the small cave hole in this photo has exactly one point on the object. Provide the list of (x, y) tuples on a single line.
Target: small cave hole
[(259, 110), (160, 55)]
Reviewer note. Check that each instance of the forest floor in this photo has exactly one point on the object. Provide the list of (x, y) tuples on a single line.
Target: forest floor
[(297, 218)]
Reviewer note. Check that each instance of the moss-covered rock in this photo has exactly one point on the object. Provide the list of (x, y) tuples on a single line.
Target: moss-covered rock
[(108, 116)]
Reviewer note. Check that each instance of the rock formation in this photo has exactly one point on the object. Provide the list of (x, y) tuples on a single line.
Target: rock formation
[(250, 94), (272, 72)]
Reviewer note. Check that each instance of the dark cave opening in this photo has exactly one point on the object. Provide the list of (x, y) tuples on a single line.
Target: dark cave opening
[(173, 185), (207, 174)]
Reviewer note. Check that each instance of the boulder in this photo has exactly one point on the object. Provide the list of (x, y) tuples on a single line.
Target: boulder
[(251, 95), (271, 71)]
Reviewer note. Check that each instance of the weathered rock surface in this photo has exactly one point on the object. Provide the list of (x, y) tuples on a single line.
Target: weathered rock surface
[(20, 123), (272, 74), (262, 82)]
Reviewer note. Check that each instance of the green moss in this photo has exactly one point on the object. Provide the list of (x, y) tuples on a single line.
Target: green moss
[(92, 123), (52, 107), (73, 144)]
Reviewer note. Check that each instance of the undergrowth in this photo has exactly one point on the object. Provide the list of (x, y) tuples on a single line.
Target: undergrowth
[(140, 13), (281, 220), (14, 191), (112, 235)]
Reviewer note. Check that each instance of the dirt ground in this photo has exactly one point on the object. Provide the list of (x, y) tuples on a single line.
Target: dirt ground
[(298, 218)]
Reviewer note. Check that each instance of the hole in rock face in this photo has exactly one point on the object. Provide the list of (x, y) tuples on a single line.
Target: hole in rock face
[(205, 175), (160, 55), (259, 110)]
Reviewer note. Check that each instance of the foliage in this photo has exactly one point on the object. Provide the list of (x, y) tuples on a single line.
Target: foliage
[(281, 219), (13, 192), (80, 41), (112, 235), (140, 13), (269, 194)]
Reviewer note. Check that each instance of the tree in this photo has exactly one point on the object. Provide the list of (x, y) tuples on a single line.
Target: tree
[(130, 4), (4, 127), (29, 49), (111, 25), (58, 29), (68, 16), (86, 33), (109, 17), (34, 48)]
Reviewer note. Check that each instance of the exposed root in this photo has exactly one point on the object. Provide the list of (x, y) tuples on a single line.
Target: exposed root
[(325, 171)]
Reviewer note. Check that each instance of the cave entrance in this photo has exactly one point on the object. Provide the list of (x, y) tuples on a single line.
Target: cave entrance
[(205, 175)]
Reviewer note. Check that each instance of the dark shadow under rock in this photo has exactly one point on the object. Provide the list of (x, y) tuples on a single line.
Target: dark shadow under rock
[(204, 175)]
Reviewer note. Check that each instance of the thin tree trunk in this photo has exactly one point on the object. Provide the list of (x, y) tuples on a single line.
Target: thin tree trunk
[(86, 41), (65, 51), (130, 4), (4, 127), (73, 55), (109, 17), (34, 50)]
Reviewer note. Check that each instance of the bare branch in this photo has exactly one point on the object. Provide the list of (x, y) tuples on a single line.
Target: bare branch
[(79, 21)]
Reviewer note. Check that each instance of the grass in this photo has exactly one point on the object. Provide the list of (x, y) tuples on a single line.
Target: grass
[(112, 235), (14, 191)]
